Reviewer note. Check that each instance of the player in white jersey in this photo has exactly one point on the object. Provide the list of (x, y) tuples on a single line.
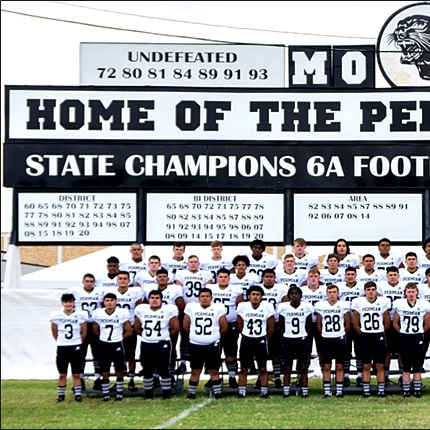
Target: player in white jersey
[(88, 298), (217, 261), (128, 298), (368, 272), (176, 262), (412, 319), (172, 295), (69, 328), (136, 263), (289, 274), (313, 291), (112, 326), (333, 273), (384, 258), (371, 319), (148, 277), (393, 289), (259, 260), (241, 276), (256, 323), (156, 324), (424, 259), (108, 279), (205, 322), (295, 322), (230, 296), (346, 257), (275, 294), (192, 280), (333, 322), (304, 260), (348, 291), (412, 273)]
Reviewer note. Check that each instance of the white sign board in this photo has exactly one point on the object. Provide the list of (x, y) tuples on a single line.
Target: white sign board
[(182, 65), (206, 217), (358, 217), (77, 217)]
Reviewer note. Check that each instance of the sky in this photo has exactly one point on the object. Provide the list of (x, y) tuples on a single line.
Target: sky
[(39, 51)]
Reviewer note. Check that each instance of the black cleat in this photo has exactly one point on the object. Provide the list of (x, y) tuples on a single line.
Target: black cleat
[(264, 396), (182, 368), (326, 396), (278, 383), (132, 386), (381, 395), (149, 394), (339, 395), (241, 396), (366, 395), (305, 396), (97, 384), (346, 381), (167, 394), (60, 399), (118, 399), (232, 383), (417, 394), (359, 381), (78, 399), (286, 395), (406, 394), (218, 396), (191, 396), (106, 398)]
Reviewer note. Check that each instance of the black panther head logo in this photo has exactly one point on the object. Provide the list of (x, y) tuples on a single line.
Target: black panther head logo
[(412, 36)]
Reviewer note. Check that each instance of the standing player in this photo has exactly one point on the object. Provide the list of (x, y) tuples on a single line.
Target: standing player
[(88, 298), (206, 323), (371, 319), (229, 296), (241, 276), (333, 322), (304, 260), (393, 289), (295, 322), (217, 261), (274, 293), (333, 274), (127, 299), (156, 324), (177, 261), (384, 258), (411, 320), (148, 277), (112, 325), (255, 321), (69, 329), (411, 273), (109, 279), (346, 257), (259, 260), (348, 291), (192, 280), (136, 263), (368, 272), (290, 275)]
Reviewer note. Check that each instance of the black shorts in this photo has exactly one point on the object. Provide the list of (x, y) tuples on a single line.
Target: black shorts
[(69, 354), (333, 349), (295, 348), (229, 340), (373, 347), (253, 348), (111, 352), (412, 351), (155, 356), (205, 355)]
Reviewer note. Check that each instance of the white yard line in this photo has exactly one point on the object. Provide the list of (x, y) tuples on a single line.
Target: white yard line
[(184, 414)]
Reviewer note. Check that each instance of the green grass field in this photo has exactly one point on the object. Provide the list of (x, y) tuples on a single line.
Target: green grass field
[(32, 405)]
